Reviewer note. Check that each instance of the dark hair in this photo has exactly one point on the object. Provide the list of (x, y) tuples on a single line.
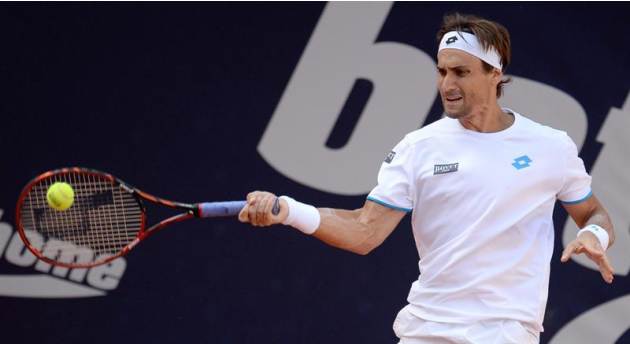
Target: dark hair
[(489, 33)]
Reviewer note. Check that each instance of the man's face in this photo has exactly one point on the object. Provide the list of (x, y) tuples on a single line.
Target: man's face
[(465, 88)]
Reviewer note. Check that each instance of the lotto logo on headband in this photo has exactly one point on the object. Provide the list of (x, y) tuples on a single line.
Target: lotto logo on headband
[(471, 45)]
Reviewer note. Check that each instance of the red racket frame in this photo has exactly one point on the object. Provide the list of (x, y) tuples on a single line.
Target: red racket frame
[(191, 212)]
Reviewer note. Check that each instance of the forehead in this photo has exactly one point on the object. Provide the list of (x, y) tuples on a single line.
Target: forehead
[(448, 58)]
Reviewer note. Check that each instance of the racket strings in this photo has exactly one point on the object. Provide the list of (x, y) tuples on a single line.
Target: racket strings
[(102, 221)]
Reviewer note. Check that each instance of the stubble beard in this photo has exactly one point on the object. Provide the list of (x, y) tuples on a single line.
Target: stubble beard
[(461, 112)]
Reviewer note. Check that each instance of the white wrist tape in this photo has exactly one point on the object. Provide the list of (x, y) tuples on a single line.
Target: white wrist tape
[(303, 217), (599, 232)]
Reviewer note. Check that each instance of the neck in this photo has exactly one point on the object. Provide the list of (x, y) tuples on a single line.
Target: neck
[(487, 119)]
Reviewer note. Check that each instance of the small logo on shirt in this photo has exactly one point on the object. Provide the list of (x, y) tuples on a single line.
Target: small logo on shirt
[(390, 156), (521, 162), (445, 168)]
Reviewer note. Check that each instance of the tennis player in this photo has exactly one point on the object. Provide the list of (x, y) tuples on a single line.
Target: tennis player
[(481, 184)]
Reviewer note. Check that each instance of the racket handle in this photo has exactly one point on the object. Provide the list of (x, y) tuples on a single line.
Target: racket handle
[(219, 209)]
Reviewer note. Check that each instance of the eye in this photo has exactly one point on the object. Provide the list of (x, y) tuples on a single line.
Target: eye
[(461, 73), (441, 71)]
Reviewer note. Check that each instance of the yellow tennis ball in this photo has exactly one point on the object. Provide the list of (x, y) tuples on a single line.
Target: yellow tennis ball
[(60, 196)]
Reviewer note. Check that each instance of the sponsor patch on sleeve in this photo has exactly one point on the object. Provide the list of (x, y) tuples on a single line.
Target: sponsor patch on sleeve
[(390, 156)]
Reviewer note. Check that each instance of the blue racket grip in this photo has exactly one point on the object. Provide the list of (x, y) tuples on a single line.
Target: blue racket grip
[(220, 209), (230, 208)]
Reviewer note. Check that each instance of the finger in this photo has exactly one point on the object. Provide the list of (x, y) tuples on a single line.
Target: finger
[(243, 214), (606, 269), (251, 197), (261, 215), (269, 217), (594, 250), (252, 211), (569, 250), (596, 253), (579, 249)]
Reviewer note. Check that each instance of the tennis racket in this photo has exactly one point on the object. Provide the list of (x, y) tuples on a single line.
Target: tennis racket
[(107, 219)]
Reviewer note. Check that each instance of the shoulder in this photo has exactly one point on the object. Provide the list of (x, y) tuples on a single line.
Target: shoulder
[(540, 131), (553, 141)]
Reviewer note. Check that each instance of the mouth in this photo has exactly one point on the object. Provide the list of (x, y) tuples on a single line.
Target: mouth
[(454, 98)]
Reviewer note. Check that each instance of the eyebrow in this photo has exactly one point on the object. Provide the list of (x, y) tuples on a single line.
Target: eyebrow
[(453, 68)]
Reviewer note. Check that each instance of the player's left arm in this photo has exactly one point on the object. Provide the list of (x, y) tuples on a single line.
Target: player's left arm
[(591, 212)]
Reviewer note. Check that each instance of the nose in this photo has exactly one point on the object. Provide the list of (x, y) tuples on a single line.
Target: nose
[(447, 83)]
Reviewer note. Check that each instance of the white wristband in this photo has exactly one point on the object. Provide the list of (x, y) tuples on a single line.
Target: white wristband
[(599, 232), (303, 217)]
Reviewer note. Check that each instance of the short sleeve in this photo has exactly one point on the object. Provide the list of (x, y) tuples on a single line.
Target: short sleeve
[(393, 189), (576, 187)]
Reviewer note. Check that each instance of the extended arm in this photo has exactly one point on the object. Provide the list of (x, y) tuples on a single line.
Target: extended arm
[(358, 231)]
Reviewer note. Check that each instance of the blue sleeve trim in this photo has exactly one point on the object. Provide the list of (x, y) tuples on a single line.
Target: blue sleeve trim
[(378, 201), (590, 193)]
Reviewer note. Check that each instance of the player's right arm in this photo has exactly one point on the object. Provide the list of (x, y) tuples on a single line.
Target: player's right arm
[(358, 231)]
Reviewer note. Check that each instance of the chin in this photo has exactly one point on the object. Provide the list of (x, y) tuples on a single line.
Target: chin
[(451, 115), (456, 114)]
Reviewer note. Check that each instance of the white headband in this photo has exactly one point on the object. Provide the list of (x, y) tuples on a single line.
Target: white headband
[(469, 43)]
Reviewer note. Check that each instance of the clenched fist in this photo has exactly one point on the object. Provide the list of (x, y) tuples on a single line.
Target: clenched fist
[(258, 210)]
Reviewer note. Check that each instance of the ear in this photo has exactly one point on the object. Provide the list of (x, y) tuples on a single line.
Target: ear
[(496, 75)]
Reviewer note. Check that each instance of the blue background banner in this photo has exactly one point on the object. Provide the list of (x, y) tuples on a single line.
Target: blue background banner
[(205, 101)]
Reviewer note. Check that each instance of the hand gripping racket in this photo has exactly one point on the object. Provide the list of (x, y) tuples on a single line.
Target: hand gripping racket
[(107, 219)]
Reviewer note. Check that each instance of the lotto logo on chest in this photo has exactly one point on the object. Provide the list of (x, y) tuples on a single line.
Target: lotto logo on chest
[(522, 162)]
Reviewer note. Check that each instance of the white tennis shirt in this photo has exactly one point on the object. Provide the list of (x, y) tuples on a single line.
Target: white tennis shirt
[(482, 215)]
